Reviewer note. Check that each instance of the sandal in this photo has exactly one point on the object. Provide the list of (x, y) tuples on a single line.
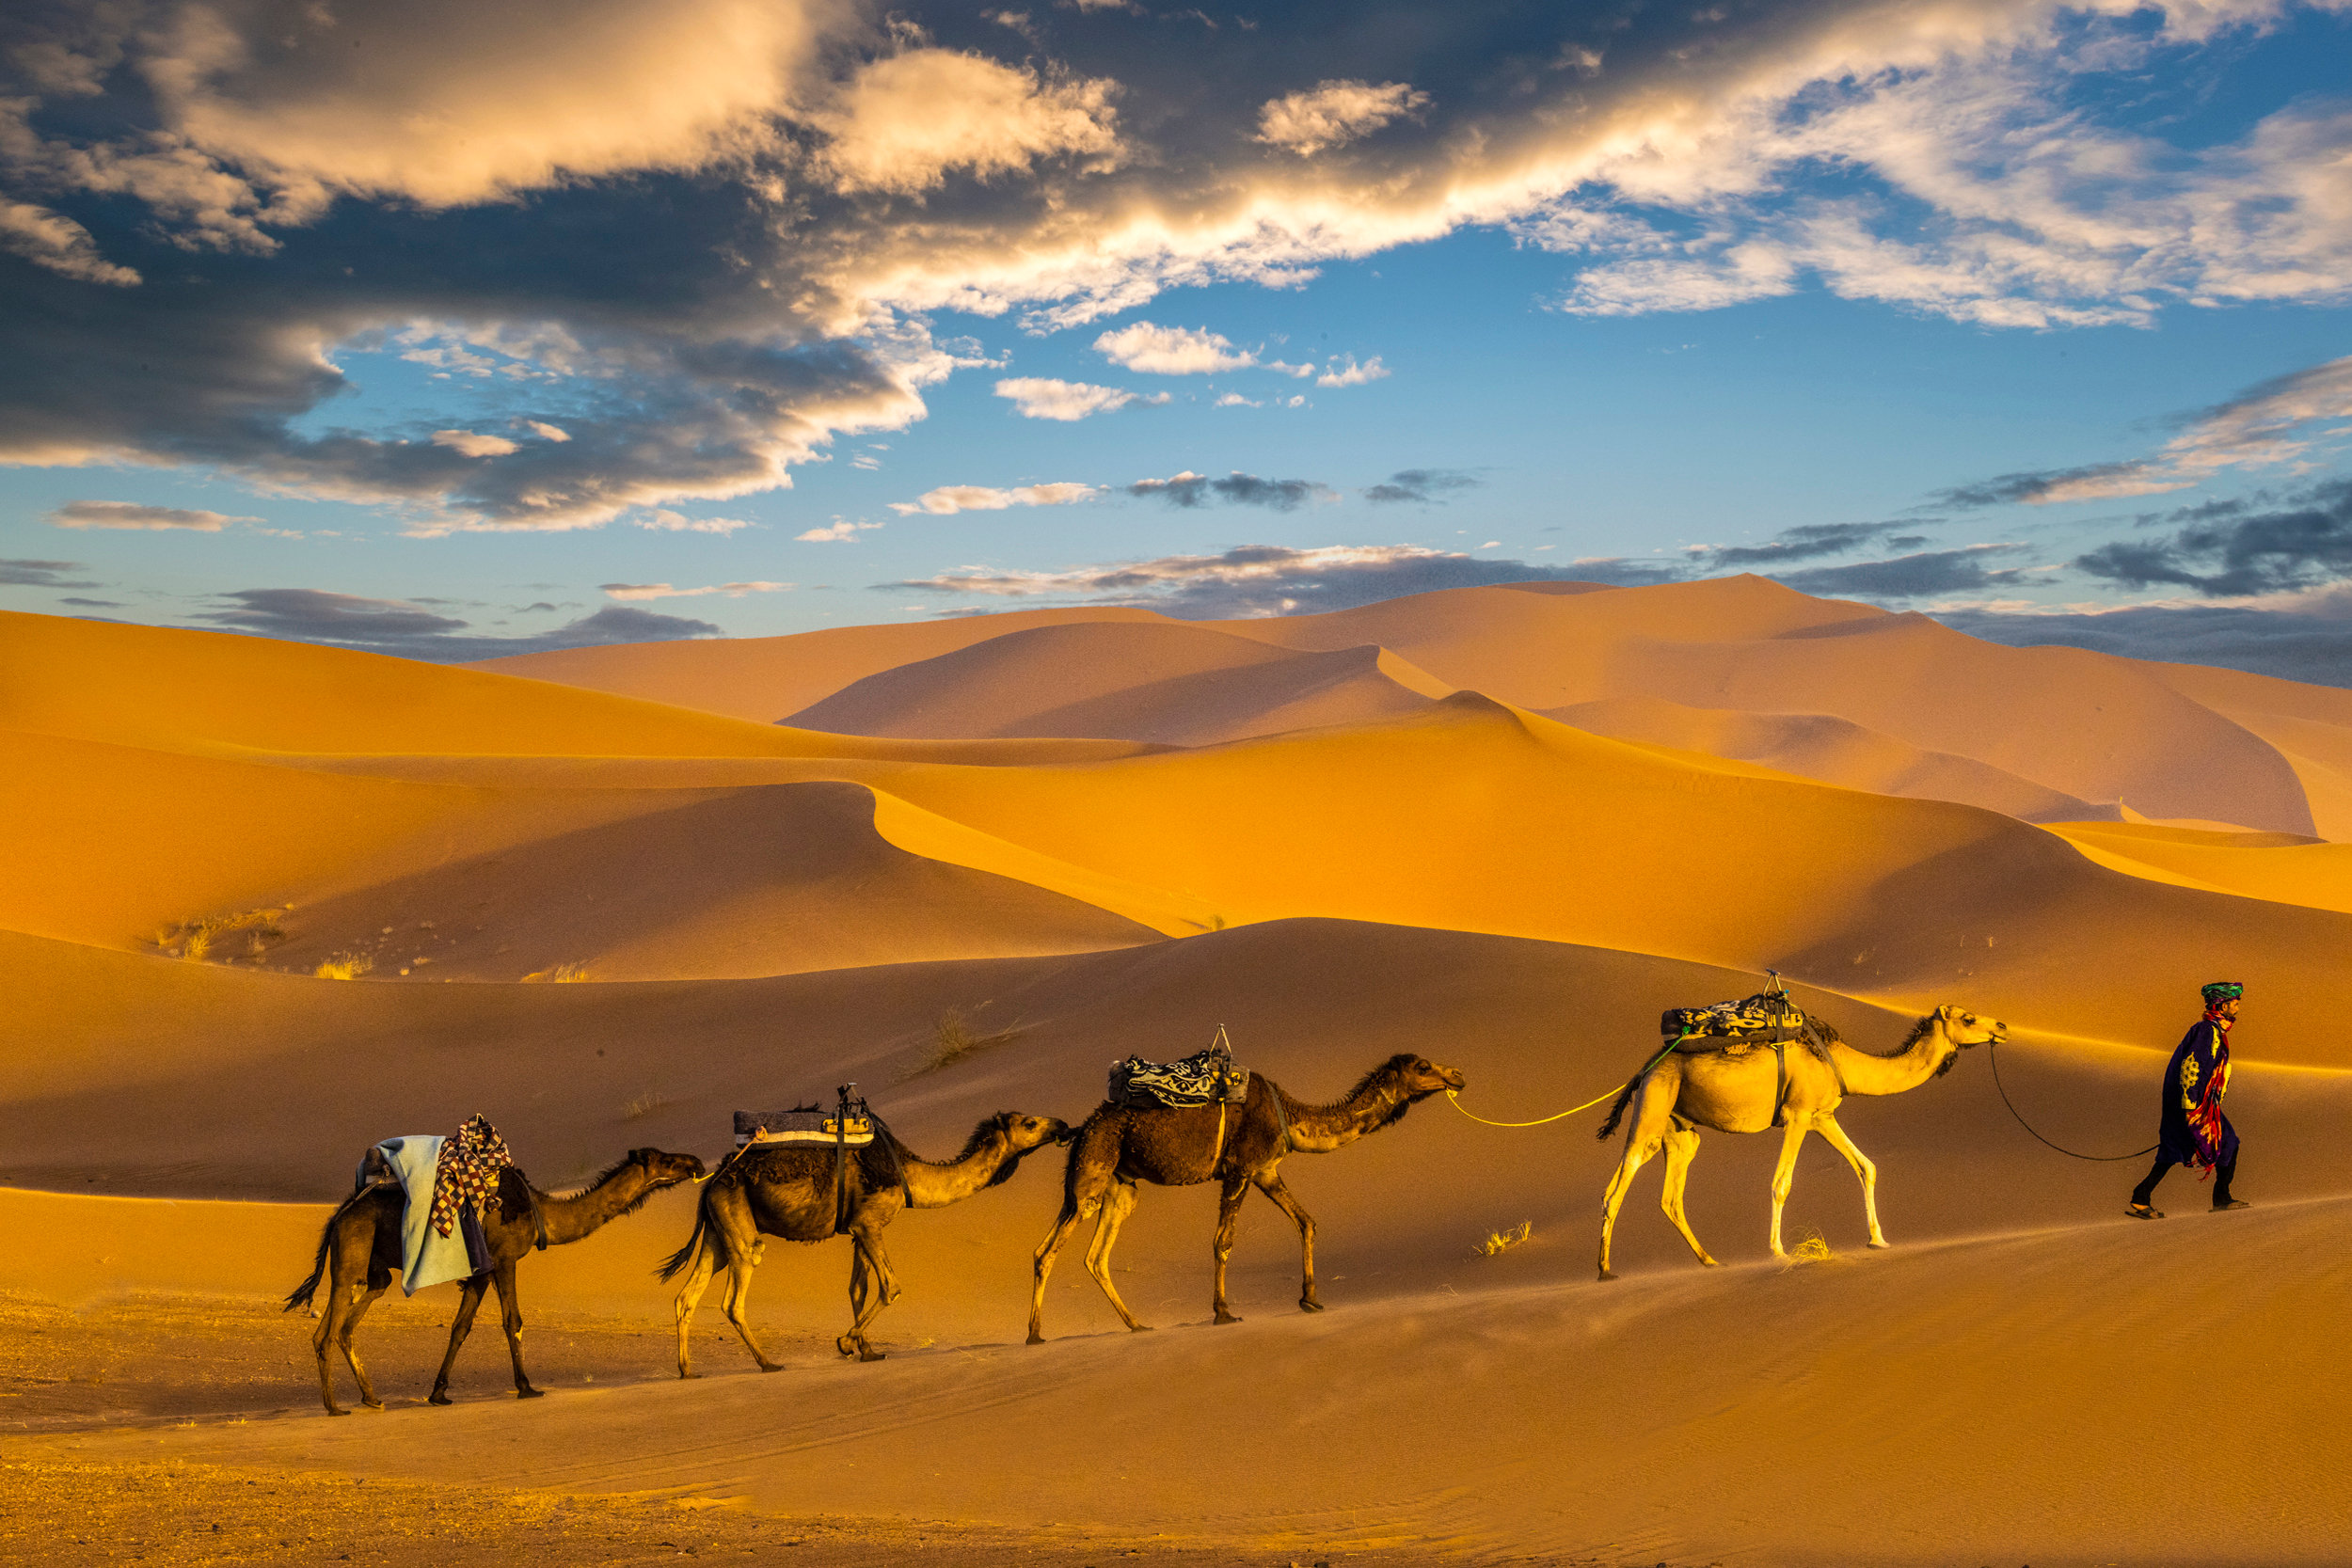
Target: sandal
[(2234, 1203), (2143, 1212)]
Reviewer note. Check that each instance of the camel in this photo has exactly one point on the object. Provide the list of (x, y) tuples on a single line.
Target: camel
[(789, 1190), (1241, 1146), (360, 1252), (1735, 1092)]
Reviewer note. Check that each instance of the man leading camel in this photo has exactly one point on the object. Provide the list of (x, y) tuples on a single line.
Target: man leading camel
[(2193, 1131)]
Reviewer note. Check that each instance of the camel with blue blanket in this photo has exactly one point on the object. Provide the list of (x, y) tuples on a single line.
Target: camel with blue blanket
[(436, 1210)]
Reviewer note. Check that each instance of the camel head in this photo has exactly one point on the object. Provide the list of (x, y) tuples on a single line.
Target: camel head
[(1020, 1135), (1964, 1029), (665, 1170), (1415, 1078)]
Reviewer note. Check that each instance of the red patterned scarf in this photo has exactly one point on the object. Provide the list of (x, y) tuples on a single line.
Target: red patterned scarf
[(467, 1176), (2205, 1118)]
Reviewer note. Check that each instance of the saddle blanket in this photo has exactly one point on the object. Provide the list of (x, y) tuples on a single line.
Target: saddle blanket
[(1201, 1079), (426, 1255), (800, 1127), (1765, 1019)]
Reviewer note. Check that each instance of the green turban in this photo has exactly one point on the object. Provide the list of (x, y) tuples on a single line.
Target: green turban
[(2223, 990)]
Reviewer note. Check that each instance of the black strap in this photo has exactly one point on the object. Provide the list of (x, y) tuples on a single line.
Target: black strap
[(1780, 1091)]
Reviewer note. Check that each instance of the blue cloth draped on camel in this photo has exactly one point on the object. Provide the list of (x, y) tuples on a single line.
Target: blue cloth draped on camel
[(429, 1255)]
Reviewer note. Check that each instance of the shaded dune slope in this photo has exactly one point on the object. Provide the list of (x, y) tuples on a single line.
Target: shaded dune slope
[(1158, 682)]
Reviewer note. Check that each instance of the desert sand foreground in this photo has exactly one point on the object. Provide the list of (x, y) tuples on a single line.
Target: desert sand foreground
[(270, 902)]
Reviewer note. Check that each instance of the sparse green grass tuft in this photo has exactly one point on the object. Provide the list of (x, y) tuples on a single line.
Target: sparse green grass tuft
[(953, 1040), (345, 966), (1503, 1241)]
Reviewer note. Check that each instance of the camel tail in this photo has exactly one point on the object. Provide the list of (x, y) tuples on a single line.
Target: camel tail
[(301, 1294), (1616, 1112), (685, 1255)]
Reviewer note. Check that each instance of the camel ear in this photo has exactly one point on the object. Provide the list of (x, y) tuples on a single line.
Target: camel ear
[(642, 1156)]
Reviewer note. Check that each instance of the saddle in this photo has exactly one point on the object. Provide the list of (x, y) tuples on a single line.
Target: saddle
[(1205, 1078), (803, 1124), (1770, 1019)]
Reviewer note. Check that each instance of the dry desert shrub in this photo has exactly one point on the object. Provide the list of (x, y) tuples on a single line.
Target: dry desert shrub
[(345, 966), (645, 1104), (561, 974), (953, 1040), (195, 940), (1814, 1248), (1503, 1241)]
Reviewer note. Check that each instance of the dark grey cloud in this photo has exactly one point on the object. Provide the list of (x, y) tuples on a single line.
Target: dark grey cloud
[(1236, 489), (1908, 577), (40, 574), (2305, 543), (94, 604), (1421, 484), (400, 626), (1807, 543), (2023, 488), (2305, 645), (1275, 579)]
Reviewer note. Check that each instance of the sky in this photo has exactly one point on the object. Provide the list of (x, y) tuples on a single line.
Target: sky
[(451, 331)]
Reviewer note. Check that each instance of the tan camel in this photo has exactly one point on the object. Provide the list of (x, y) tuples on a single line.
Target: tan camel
[(1241, 1146), (790, 1190), (360, 1252), (1736, 1091)]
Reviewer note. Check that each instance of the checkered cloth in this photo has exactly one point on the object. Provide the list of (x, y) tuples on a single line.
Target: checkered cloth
[(468, 1174)]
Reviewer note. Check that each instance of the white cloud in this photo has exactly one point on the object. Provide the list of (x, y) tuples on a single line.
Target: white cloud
[(904, 121), (56, 241), (841, 531), (1334, 113), (1351, 374), (1172, 349), (950, 499), (1234, 400), (1041, 398), (664, 521), (473, 445), (130, 514), (546, 432), (663, 591)]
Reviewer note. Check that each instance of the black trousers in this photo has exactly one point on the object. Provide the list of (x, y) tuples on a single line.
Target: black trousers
[(2147, 1188)]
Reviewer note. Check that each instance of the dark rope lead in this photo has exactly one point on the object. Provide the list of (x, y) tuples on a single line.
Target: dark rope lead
[(1991, 1052)]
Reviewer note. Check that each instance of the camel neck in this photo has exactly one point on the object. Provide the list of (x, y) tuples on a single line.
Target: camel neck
[(1320, 1129), (1906, 1069), (583, 1214), (936, 1186)]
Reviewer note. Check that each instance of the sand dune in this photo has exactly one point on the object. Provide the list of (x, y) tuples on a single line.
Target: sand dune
[(763, 678), (953, 880), (1147, 681), (1833, 749)]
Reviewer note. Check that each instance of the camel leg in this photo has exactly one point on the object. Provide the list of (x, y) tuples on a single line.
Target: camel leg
[(1784, 1175), (338, 1292), (1042, 1266), (511, 1318), (1228, 1216), (1277, 1192), (871, 1291), (1682, 1147), (1653, 1113), (469, 1301), (364, 1297), (689, 1296), (1827, 1126), (1117, 1204)]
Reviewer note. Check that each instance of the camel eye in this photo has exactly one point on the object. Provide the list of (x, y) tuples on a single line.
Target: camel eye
[(1967, 1018)]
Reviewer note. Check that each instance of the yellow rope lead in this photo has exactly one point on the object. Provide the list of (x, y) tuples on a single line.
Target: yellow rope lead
[(1571, 1111)]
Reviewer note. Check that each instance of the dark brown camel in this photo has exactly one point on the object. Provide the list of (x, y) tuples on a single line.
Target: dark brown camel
[(360, 1252), (1241, 1146), (789, 1190)]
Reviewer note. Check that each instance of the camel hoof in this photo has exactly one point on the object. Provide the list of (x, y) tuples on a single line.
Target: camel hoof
[(332, 1410), (1309, 1303), (1141, 1328), (373, 1404), (688, 1376), (1606, 1274), (871, 1354), (1224, 1317), (530, 1393), (1882, 1244), (1035, 1338), (439, 1396), (771, 1366), (1708, 1263)]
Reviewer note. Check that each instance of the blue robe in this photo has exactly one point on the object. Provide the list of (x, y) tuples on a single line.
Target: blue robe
[(2203, 1051)]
